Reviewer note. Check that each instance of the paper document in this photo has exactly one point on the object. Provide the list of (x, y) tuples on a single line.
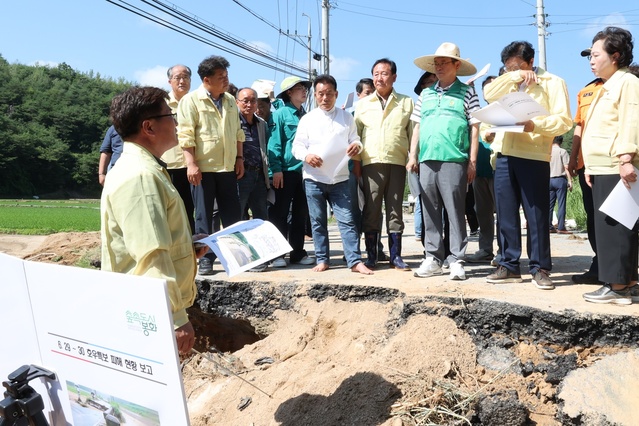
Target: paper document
[(349, 100), (334, 159), (349, 105), (509, 110), (623, 204), (480, 74), (246, 244)]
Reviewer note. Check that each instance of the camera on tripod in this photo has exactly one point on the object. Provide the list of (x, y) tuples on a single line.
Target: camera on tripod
[(22, 405)]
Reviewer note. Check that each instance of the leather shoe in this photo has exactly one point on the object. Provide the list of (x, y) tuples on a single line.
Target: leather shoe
[(585, 278), (205, 267), (553, 230), (564, 232)]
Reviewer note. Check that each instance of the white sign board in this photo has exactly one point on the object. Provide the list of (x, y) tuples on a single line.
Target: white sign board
[(108, 337)]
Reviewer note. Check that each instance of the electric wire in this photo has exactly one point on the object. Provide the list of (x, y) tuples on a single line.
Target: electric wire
[(147, 15), (270, 24), (204, 26)]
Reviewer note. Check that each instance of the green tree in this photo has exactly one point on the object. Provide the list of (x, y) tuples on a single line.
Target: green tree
[(52, 121)]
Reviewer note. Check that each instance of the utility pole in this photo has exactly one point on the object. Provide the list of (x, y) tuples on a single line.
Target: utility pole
[(541, 33), (325, 8), (310, 53)]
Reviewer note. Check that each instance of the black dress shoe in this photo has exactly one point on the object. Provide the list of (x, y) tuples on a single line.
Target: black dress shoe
[(585, 278)]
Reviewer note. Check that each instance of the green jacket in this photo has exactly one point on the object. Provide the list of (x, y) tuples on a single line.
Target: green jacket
[(280, 157)]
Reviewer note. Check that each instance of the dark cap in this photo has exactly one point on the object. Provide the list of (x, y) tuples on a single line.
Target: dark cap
[(585, 52), (418, 86)]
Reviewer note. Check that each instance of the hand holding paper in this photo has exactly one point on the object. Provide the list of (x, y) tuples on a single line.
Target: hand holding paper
[(623, 204), (513, 108)]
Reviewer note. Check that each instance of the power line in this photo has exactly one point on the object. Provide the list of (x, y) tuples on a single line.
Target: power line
[(272, 25), (431, 23), (203, 25), (475, 17), (160, 21)]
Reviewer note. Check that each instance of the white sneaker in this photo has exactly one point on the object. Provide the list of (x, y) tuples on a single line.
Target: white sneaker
[(429, 267), (279, 262), (307, 260), (445, 264), (457, 271), (495, 261)]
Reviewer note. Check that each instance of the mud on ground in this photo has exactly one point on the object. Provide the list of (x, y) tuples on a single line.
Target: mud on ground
[(389, 353), (345, 355)]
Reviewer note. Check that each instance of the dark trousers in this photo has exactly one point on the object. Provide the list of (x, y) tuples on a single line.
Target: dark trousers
[(291, 198), (220, 187), (523, 182), (383, 184), (586, 192), (557, 193), (471, 215), (617, 245), (253, 193), (183, 187)]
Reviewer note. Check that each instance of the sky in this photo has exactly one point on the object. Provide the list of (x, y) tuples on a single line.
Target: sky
[(101, 36)]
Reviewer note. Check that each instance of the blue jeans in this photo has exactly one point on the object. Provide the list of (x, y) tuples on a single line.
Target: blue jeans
[(252, 191), (417, 214), (337, 195)]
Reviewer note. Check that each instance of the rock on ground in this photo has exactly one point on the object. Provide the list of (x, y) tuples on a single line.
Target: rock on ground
[(605, 393)]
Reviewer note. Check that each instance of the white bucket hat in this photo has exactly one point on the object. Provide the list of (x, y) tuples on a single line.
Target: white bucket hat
[(263, 88), (446, 50)]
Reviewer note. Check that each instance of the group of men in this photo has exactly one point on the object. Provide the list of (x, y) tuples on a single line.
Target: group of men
[(221, 155)]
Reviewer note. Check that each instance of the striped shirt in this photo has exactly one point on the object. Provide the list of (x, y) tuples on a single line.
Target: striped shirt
[(471, 103)]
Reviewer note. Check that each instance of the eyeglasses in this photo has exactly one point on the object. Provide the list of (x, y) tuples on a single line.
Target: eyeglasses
[(513, 68), (174, 115), (247, 101), (514, 64), (441, 64), (181, 77)]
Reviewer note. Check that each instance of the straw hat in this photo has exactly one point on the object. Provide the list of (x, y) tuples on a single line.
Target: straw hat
[(446, 50), (291, 81)]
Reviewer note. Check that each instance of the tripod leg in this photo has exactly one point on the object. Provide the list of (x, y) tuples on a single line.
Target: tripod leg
[(38, 419)]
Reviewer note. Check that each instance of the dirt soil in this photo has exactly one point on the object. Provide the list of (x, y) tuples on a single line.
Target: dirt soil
[(334, 362), (65, 248)]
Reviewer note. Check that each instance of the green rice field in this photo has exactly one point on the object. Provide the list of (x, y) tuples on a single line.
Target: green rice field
[(44, 217)]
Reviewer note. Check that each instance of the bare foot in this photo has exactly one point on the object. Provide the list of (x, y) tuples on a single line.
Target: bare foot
[(320, 267), (362, 269)]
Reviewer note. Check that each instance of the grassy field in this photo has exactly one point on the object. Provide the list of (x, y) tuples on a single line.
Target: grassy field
[(44, 217), (575, 205)]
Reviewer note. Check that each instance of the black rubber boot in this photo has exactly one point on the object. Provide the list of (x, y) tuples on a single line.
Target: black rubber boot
[(395, 249), (370, 240)]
